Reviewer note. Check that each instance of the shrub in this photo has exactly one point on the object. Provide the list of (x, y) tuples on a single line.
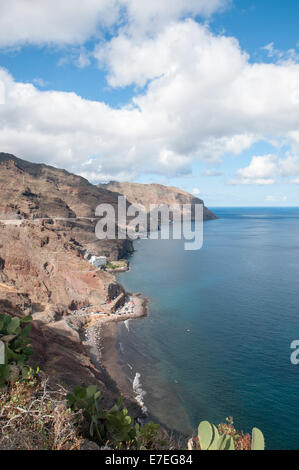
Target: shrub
[(114, 426), (225, 437), (34, 416), (14, 334)]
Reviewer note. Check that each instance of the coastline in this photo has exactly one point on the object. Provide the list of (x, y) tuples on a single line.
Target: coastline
[(103, 341), (127, 385), (110, 360)]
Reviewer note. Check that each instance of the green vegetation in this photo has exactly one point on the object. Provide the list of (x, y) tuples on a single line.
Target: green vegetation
[(114, 427), (120, 264), (225, 437), (34, 416), (17, 350)]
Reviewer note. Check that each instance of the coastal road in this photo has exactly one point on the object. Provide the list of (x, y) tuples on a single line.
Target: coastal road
[(18, 222)]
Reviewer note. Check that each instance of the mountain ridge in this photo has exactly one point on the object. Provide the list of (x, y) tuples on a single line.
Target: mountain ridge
[(154, 193)]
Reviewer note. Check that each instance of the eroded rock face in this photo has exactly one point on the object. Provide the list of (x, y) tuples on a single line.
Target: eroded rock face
[(30, 189), (50, 282), (61, 354), (52, 272), (43, 270), (146, 194)]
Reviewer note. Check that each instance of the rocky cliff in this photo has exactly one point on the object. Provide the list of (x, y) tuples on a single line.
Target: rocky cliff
[(43, 273), (47, 229), (147, 194), (31, 191), (36, 190)]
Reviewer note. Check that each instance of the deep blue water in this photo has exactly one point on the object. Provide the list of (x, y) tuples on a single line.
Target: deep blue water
[(239, 297)]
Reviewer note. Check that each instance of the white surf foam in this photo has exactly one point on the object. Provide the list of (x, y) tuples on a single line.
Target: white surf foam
[(121, 348), (139, 392)]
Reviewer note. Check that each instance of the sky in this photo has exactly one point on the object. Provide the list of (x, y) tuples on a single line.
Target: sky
[(199, 94)]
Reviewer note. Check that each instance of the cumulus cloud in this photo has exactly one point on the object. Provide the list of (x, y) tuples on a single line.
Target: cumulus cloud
[(53, 21), (144, 17), (206, 85), (75, 21), (261, 170), (196, 191), (204, 100), (183, 46), (289, 166)]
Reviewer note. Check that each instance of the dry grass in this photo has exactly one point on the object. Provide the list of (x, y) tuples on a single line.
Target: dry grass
[(33, 416)]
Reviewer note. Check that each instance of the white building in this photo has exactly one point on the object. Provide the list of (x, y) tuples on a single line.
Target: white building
[(98, 261)]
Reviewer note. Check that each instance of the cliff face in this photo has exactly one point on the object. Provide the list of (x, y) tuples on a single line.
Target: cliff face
[(36, 190), (31, 191), (43, 273), (47, 228), (147, 194), (43, 270)]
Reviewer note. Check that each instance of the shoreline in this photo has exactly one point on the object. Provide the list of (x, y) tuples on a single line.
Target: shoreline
[(104, 350), (103, 340), (118, 372)]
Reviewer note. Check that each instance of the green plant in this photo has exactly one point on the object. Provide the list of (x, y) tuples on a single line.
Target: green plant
[(17, 349), (118, 424), (149, 436), (87, 400), (223, 438), (113, 426), (257, 441)]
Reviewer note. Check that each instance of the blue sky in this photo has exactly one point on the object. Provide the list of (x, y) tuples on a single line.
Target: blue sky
[(199, 94)]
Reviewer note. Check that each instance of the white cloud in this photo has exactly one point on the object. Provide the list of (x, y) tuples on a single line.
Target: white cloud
[(261, 170), (53, 21), (75, 21), (40, 82), (281, 56), (196, 191), (83, 60), (2, 92), (132, 60), (207, 84), (77, 56), (206, 100), (289, 166)]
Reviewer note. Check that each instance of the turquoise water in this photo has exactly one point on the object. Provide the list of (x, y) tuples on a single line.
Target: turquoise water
[(239, 298)]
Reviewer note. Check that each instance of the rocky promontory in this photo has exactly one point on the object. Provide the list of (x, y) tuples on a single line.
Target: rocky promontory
[(47, 240), (147, 194)]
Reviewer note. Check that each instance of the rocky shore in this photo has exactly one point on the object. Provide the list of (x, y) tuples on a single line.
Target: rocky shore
[(99, 336), (108, 333), (47, 237)]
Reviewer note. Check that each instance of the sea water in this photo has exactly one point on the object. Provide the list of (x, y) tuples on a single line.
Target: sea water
[(221, 321)]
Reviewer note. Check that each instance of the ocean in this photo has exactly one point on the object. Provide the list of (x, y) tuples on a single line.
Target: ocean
[(221, 321)]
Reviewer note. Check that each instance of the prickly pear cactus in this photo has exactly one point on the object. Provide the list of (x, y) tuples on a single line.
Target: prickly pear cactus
[(208, 438), (257, 441)]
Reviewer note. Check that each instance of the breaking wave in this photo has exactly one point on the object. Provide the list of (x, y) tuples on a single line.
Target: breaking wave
[(139, 392), (121, 348)]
